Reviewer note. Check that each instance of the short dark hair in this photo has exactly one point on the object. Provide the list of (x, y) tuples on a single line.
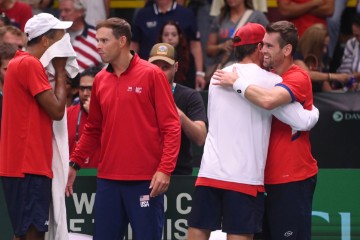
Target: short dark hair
[(119, 26), (288, 33), (50, 34), (11, 29), (244, 50), (92, 71), (7, 51)]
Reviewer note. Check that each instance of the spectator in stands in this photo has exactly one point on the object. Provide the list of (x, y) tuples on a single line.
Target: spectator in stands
[(333, 24), (13, 35), (312, 55), (135, 122), (77, 114), (7, 52), (305, 13), (351, 58), (17, 12), (233, 15), (82, 34), (216, 5), (11, 39), (172, 34), (201, 10), (38, 6), (148, 22), (189, 104)]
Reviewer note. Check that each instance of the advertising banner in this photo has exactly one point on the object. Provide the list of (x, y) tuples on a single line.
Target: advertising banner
[(336, 210)]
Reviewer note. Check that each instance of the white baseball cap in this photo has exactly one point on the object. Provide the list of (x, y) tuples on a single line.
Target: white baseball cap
[(43, 22)]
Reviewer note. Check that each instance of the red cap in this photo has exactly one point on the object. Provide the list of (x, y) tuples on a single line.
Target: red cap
[(250, 33)]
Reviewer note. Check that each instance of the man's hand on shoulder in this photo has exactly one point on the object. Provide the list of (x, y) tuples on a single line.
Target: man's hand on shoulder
[(225, 79)]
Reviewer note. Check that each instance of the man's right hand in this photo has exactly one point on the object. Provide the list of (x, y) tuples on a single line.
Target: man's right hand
[(59, 63), (70, 182), (86, 105)]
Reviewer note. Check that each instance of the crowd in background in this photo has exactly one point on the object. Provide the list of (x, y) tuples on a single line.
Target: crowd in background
[(204, 29)]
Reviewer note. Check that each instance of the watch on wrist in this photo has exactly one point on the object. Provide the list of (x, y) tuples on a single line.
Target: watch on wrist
[(74, 165)]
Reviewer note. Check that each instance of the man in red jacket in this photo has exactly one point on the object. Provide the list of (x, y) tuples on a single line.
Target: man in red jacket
[(134, 119)]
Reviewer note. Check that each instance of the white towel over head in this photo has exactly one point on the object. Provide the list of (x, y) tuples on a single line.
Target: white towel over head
[(61, 48)]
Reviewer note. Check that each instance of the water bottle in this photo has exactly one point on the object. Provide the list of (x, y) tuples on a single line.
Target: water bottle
[(348, 85)]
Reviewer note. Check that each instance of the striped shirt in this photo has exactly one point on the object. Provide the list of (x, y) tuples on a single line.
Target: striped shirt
[(85, 48), (350, 62)]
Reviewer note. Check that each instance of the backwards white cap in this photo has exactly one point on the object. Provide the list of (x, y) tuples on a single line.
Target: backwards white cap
[(43, 22)]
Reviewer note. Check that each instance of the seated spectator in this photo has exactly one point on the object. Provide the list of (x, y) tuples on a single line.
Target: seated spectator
[(351, 58), (312, 56), (18, 12), (201, 10), (146, 27), (216, 5), (305, 13), (13, 35), (82, 34), (233, 15), (334, 24), (189, 104), (77, 114), (172, 34), (38, 6)]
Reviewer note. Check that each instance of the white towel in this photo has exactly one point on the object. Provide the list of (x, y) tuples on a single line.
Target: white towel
[(61, 48), (60, 163)]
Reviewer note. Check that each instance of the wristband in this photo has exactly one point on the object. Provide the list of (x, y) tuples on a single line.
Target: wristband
[(240, 86), (74, 165), (200, 73)]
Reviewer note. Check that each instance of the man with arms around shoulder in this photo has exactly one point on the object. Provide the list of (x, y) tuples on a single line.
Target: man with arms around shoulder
[(291, 170), (133, 119), (189, 105), (26, 136), (229, 192)]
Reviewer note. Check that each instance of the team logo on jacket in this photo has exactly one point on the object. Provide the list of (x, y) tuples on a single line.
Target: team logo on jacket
[(288, 234), (129, 89), (151, 24), (138, 89), (145, 201)]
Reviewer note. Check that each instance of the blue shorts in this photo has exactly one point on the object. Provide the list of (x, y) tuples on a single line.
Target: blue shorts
[(288, 209), (118, 203), (233, 212), (28, 202)]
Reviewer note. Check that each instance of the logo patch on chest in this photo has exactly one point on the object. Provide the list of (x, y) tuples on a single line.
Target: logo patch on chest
[(138, 89)]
